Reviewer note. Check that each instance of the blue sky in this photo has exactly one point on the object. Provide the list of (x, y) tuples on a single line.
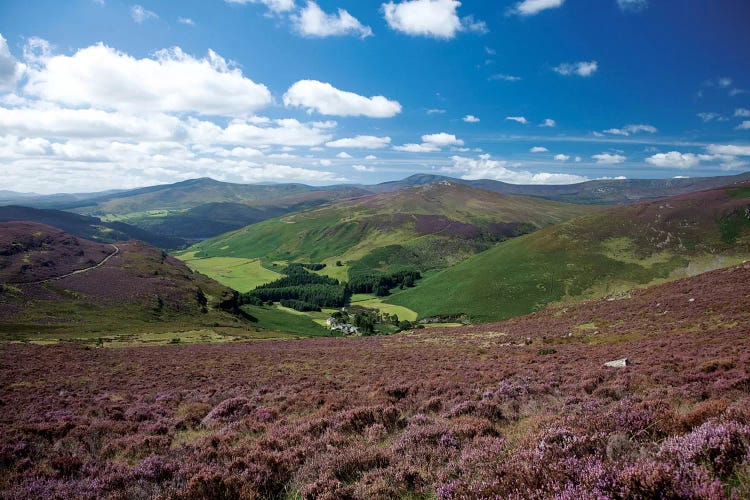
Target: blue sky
[(100, 94)]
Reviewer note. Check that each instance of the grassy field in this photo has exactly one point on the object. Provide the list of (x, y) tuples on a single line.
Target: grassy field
[(282, 319), (240, 274), (373, 302)]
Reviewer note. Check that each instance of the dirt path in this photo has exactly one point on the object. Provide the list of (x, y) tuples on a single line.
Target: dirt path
[(104, 261)]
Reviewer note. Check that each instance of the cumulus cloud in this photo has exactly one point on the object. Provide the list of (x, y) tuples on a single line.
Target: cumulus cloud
[(431, 143), (583, 68), (325, 99), (344, 155), (538, 149), (562, 157), (674, 159), (273, 5), (745, 125), (471, 119), (371, 157), (533, 7), (631, 129), (186, 21), (171, 81), (139, 14), (743, 112), (313, 21), (632, 5), (10, 68), (442, 139), (361, 142), (484, 167), (549, 122), (431, 18), (520, 119), (608, 158)]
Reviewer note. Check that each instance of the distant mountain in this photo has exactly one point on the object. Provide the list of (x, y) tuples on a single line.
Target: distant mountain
[(599, 254), (427, 226), (596, 192), (87, 227), (200, 208), (51, 279)]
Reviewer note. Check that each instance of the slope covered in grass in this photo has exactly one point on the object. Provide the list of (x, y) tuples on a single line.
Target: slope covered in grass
[(439, 224), (592, 256)]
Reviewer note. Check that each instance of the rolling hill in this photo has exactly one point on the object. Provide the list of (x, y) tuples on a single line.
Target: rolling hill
[(51, 281), (596, 192), (427, 227), (600, 254), (202, 208), (92, 228)]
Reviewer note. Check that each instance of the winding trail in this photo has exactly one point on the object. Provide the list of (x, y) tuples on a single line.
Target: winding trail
[(91, 268)]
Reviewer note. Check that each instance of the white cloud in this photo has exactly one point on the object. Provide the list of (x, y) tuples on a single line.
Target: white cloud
[(533, 7), (490, 51), (471, 119), (743, 112), (328, 100), (504, 77), (538, 149), (442, 139), (745, 125), (325, 163), (186, 20), (632, 129), (436, 111), (313, 21), (549, 122), (709, 117), (674, 159), (724, 82), (578, 159), (371, 157), (10, 69), (171, 81), (432, 18), (562, 157), (361, 141), (139, 14), (729, 149), (273, 5), (344, 155), (632, 5), (418, 148), (608, 158), (431, 143), (520, 119), (363, 168), (582, 68), (486, 168)]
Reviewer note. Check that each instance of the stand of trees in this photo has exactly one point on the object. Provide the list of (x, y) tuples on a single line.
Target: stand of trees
[(381, 283), (301, 290)]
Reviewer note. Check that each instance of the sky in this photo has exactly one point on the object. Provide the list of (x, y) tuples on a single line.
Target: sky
[(113, 94)]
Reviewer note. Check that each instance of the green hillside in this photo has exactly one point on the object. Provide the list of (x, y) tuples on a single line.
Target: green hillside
[(427, 227), (596, 255)]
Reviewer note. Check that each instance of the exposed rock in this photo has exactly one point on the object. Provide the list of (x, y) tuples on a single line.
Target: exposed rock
[(618, 363)]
